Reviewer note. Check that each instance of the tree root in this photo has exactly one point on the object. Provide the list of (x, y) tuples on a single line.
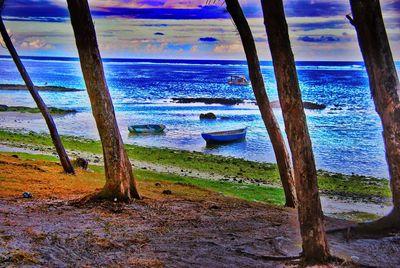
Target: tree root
[(381, 227), (268, 257)]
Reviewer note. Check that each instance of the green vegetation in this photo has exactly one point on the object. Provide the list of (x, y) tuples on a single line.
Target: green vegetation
[(249, 192), (23, 109), (357, 216), (331, 182)]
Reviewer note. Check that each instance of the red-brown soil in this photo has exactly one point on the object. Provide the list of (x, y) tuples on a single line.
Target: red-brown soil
[(191, 227)]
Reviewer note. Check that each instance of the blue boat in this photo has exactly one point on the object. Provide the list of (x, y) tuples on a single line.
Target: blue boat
[(225, 136), (146, 128)]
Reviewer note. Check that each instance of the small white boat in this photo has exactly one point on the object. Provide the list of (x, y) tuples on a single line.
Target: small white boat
[(225, 136), (238, 80)]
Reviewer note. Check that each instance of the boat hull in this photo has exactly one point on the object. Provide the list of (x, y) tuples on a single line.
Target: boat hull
[(225, 136), (138, 129)]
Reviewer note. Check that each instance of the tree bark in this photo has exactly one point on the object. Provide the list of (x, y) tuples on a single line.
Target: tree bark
[(120, 181), (385, 90), (65, 162), (257, 82), (315, 246)]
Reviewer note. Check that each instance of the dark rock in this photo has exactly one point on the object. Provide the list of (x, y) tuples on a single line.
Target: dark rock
[(15, 156), (82, 163), (215, 207), (27, 195), (223, 101), (157, 184), (208, 116), (313, 106), (167, 192)]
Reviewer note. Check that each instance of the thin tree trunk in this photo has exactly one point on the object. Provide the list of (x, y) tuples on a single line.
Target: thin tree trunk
[(257, 82), (120, 181), (65, 162), (385, 90), (315, 246)]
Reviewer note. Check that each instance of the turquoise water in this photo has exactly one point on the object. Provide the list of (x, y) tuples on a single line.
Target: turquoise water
[(346, 135)]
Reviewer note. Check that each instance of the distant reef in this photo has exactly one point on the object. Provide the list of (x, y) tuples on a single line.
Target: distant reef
[(234, 101), (307, 105), (223, 101), (41, 88), (23, 109)]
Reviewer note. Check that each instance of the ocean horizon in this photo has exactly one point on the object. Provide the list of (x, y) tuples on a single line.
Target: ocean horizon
[(346, 135)]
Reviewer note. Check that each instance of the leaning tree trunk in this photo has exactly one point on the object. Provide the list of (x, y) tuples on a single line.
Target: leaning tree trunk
[(315, 246), (385, 90), (120, 181), (257, 82), (65, 162)]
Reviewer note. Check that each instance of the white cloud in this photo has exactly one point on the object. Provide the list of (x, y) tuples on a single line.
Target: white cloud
[(36, 44)]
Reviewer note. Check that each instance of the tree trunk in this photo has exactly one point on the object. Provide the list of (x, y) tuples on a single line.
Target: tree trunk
[(120, 181), (257, 82), (65, 162), (315, 246), (385, 90)]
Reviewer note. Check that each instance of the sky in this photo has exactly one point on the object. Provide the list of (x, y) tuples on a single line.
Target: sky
[(184, 29)]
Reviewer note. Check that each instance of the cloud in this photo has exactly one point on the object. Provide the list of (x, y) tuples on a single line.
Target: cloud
[(311, 26), (229, 48), (36, 44), (34, 8), (208, 39), (38, 19), (203, 12), (155, 25), (320, 8), (260, 39), (319, 38), (11, 37)]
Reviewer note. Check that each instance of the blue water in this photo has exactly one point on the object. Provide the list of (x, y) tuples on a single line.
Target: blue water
[(347, 140)]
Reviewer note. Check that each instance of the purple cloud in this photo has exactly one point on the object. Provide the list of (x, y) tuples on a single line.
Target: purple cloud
[(319, 38), (208, 39)]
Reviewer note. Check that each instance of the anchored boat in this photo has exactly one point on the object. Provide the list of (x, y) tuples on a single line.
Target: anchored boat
[(225, 136), (238, 80), (146, 128)]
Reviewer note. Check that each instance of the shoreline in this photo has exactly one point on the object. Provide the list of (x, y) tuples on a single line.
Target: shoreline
[(338, 191), (40, 88)]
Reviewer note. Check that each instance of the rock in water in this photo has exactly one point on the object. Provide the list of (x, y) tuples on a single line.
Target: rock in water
[(82, 163), (27, 195), (208, 116)]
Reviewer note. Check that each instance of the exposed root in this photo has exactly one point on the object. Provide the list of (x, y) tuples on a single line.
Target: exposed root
[(381, 227), (387, 224), (268, 257)]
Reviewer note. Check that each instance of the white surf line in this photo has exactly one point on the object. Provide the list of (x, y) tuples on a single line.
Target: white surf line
[(331, 205)]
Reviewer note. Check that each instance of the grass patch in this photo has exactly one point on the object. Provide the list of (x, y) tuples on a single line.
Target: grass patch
[(249, 192), (267, 172), (357, 216)]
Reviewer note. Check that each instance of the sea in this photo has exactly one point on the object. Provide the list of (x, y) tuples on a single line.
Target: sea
[(346, 135)]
